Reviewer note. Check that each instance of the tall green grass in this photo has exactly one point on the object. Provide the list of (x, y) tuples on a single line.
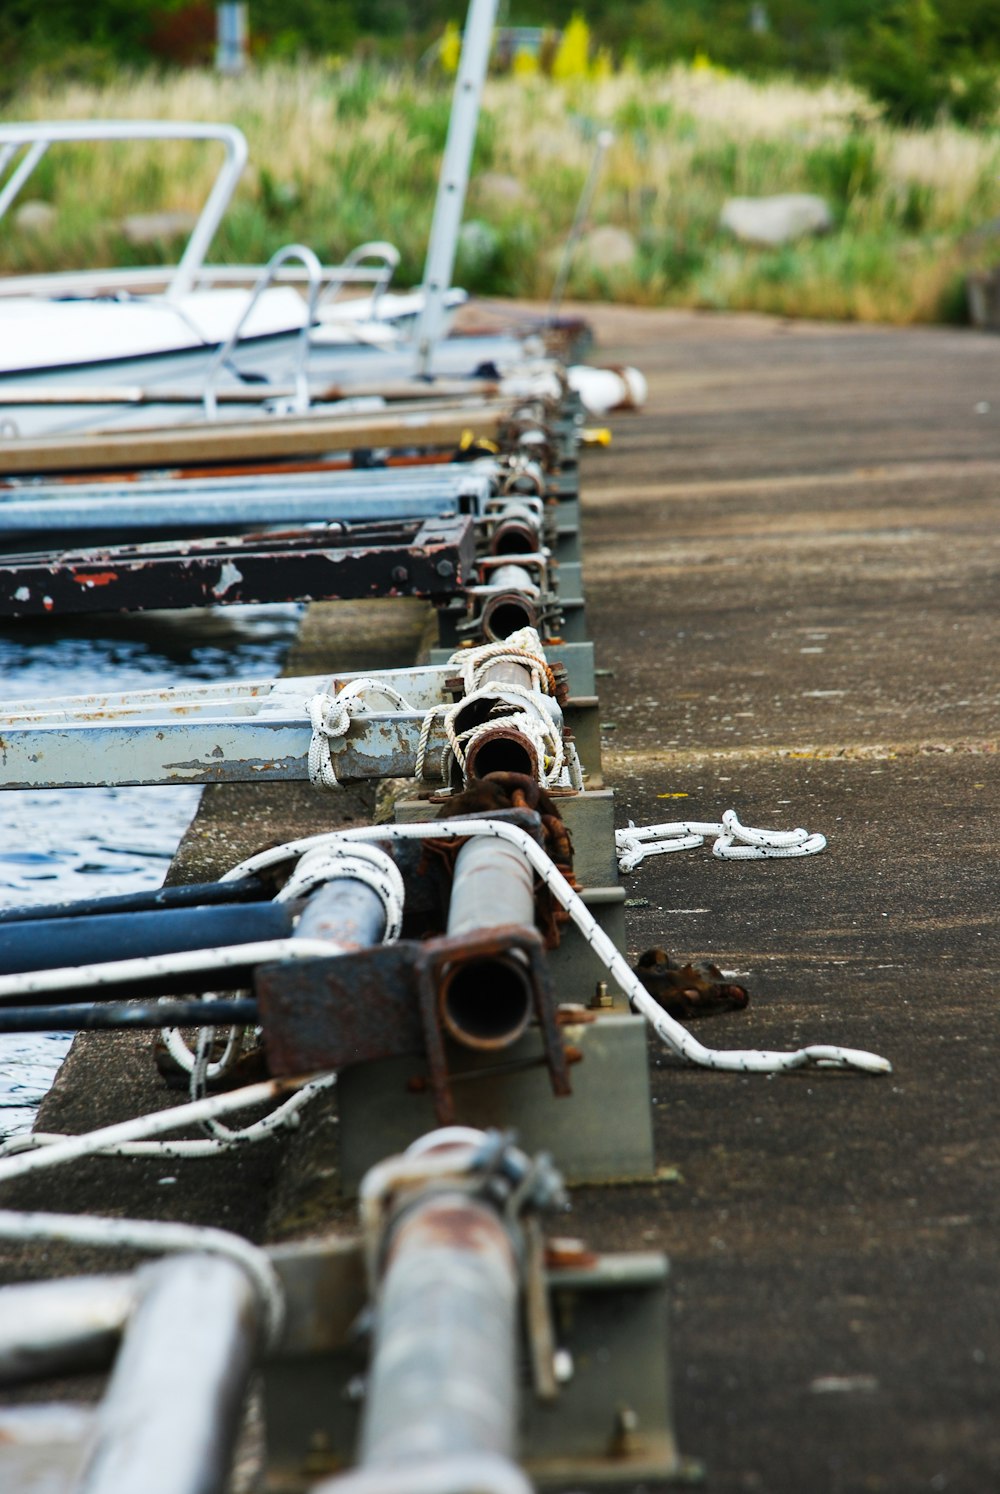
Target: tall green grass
[(343, 154)]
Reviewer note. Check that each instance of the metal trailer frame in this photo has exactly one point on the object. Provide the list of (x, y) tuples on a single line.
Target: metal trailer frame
[(420, 558)]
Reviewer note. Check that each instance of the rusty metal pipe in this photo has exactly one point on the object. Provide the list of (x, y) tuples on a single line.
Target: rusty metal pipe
[(505, 748), (516, 533), (443, 1380), (347, 912), (487, 1003), (169, 1420), (516, 606)]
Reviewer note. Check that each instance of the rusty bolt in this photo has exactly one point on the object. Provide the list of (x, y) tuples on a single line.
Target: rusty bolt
[(602, 998), (626, 1424), (445, 568), (400, 574)]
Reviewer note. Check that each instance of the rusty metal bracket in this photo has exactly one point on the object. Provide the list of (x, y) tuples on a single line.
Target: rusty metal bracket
[(385, 1002)]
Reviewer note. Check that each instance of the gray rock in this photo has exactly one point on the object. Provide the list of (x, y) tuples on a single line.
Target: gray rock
[(495, 186), (776, 220), (35, 217), (608, 247), (153, 228), (478, 246)]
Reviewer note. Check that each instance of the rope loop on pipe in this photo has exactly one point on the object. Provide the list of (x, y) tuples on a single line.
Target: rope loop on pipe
[(513, 705), (361, 863), (330, 717)]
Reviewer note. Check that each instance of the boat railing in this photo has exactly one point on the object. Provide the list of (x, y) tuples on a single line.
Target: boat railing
[(35, 138), (225, 350), (352, 272), (23, 147)]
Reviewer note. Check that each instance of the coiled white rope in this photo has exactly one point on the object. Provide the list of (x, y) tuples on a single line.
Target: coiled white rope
[(331, 717), (159, 1238), (671, 1032), (523, 647), (735, 842), (514, 706)]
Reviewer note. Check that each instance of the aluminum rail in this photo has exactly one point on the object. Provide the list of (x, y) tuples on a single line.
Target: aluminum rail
[(452, 183), (449, 478), (246, 441), (278, 504), (250, 731), (430, 557), (169, 1420), (37, 137), (423, 686)]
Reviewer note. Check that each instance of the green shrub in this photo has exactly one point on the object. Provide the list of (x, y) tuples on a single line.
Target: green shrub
[(919, 70)]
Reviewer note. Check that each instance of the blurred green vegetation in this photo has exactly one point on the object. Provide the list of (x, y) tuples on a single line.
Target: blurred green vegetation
[(346, 151), (918, 58)]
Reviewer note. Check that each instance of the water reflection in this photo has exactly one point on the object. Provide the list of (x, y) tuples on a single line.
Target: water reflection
[(65, 843)]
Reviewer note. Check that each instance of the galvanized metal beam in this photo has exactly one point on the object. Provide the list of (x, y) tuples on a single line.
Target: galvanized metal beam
[(257, 751), (284, 502)]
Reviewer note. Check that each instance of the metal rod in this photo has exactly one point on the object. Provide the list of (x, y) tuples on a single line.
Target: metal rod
[(450, 201), (487, 1003), (61, 1327), (41, 135), (605, 138), (278, 505), (52, 943), (169, 1421), (347, 912), (191, 895), (444, 1368), (98, 1016)]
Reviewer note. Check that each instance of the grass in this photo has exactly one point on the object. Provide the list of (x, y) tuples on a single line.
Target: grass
[(343, 154)]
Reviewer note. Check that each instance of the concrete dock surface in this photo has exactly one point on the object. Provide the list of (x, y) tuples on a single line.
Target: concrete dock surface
[(791, 563)]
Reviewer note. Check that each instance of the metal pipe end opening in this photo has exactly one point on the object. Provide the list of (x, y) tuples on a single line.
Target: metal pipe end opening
[(505, 613), (486, 1003)]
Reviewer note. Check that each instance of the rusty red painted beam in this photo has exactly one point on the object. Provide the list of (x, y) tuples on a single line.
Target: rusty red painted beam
[(409, 558)]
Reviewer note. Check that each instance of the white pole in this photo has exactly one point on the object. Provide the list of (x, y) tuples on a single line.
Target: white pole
[(454, 177)]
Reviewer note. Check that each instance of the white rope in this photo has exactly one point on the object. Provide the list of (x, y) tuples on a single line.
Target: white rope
[(158, 1237), (370, 865), (183, 1057), (130, 1138), (671, 1032), (735, 842), (523, 647), (514, 706), (331, 717), (151, 967)]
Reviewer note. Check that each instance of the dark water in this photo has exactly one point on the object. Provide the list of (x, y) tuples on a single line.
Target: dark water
[(67, 843)]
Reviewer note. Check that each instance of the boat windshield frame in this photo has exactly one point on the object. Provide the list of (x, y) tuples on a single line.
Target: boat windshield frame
[(35, 137)]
